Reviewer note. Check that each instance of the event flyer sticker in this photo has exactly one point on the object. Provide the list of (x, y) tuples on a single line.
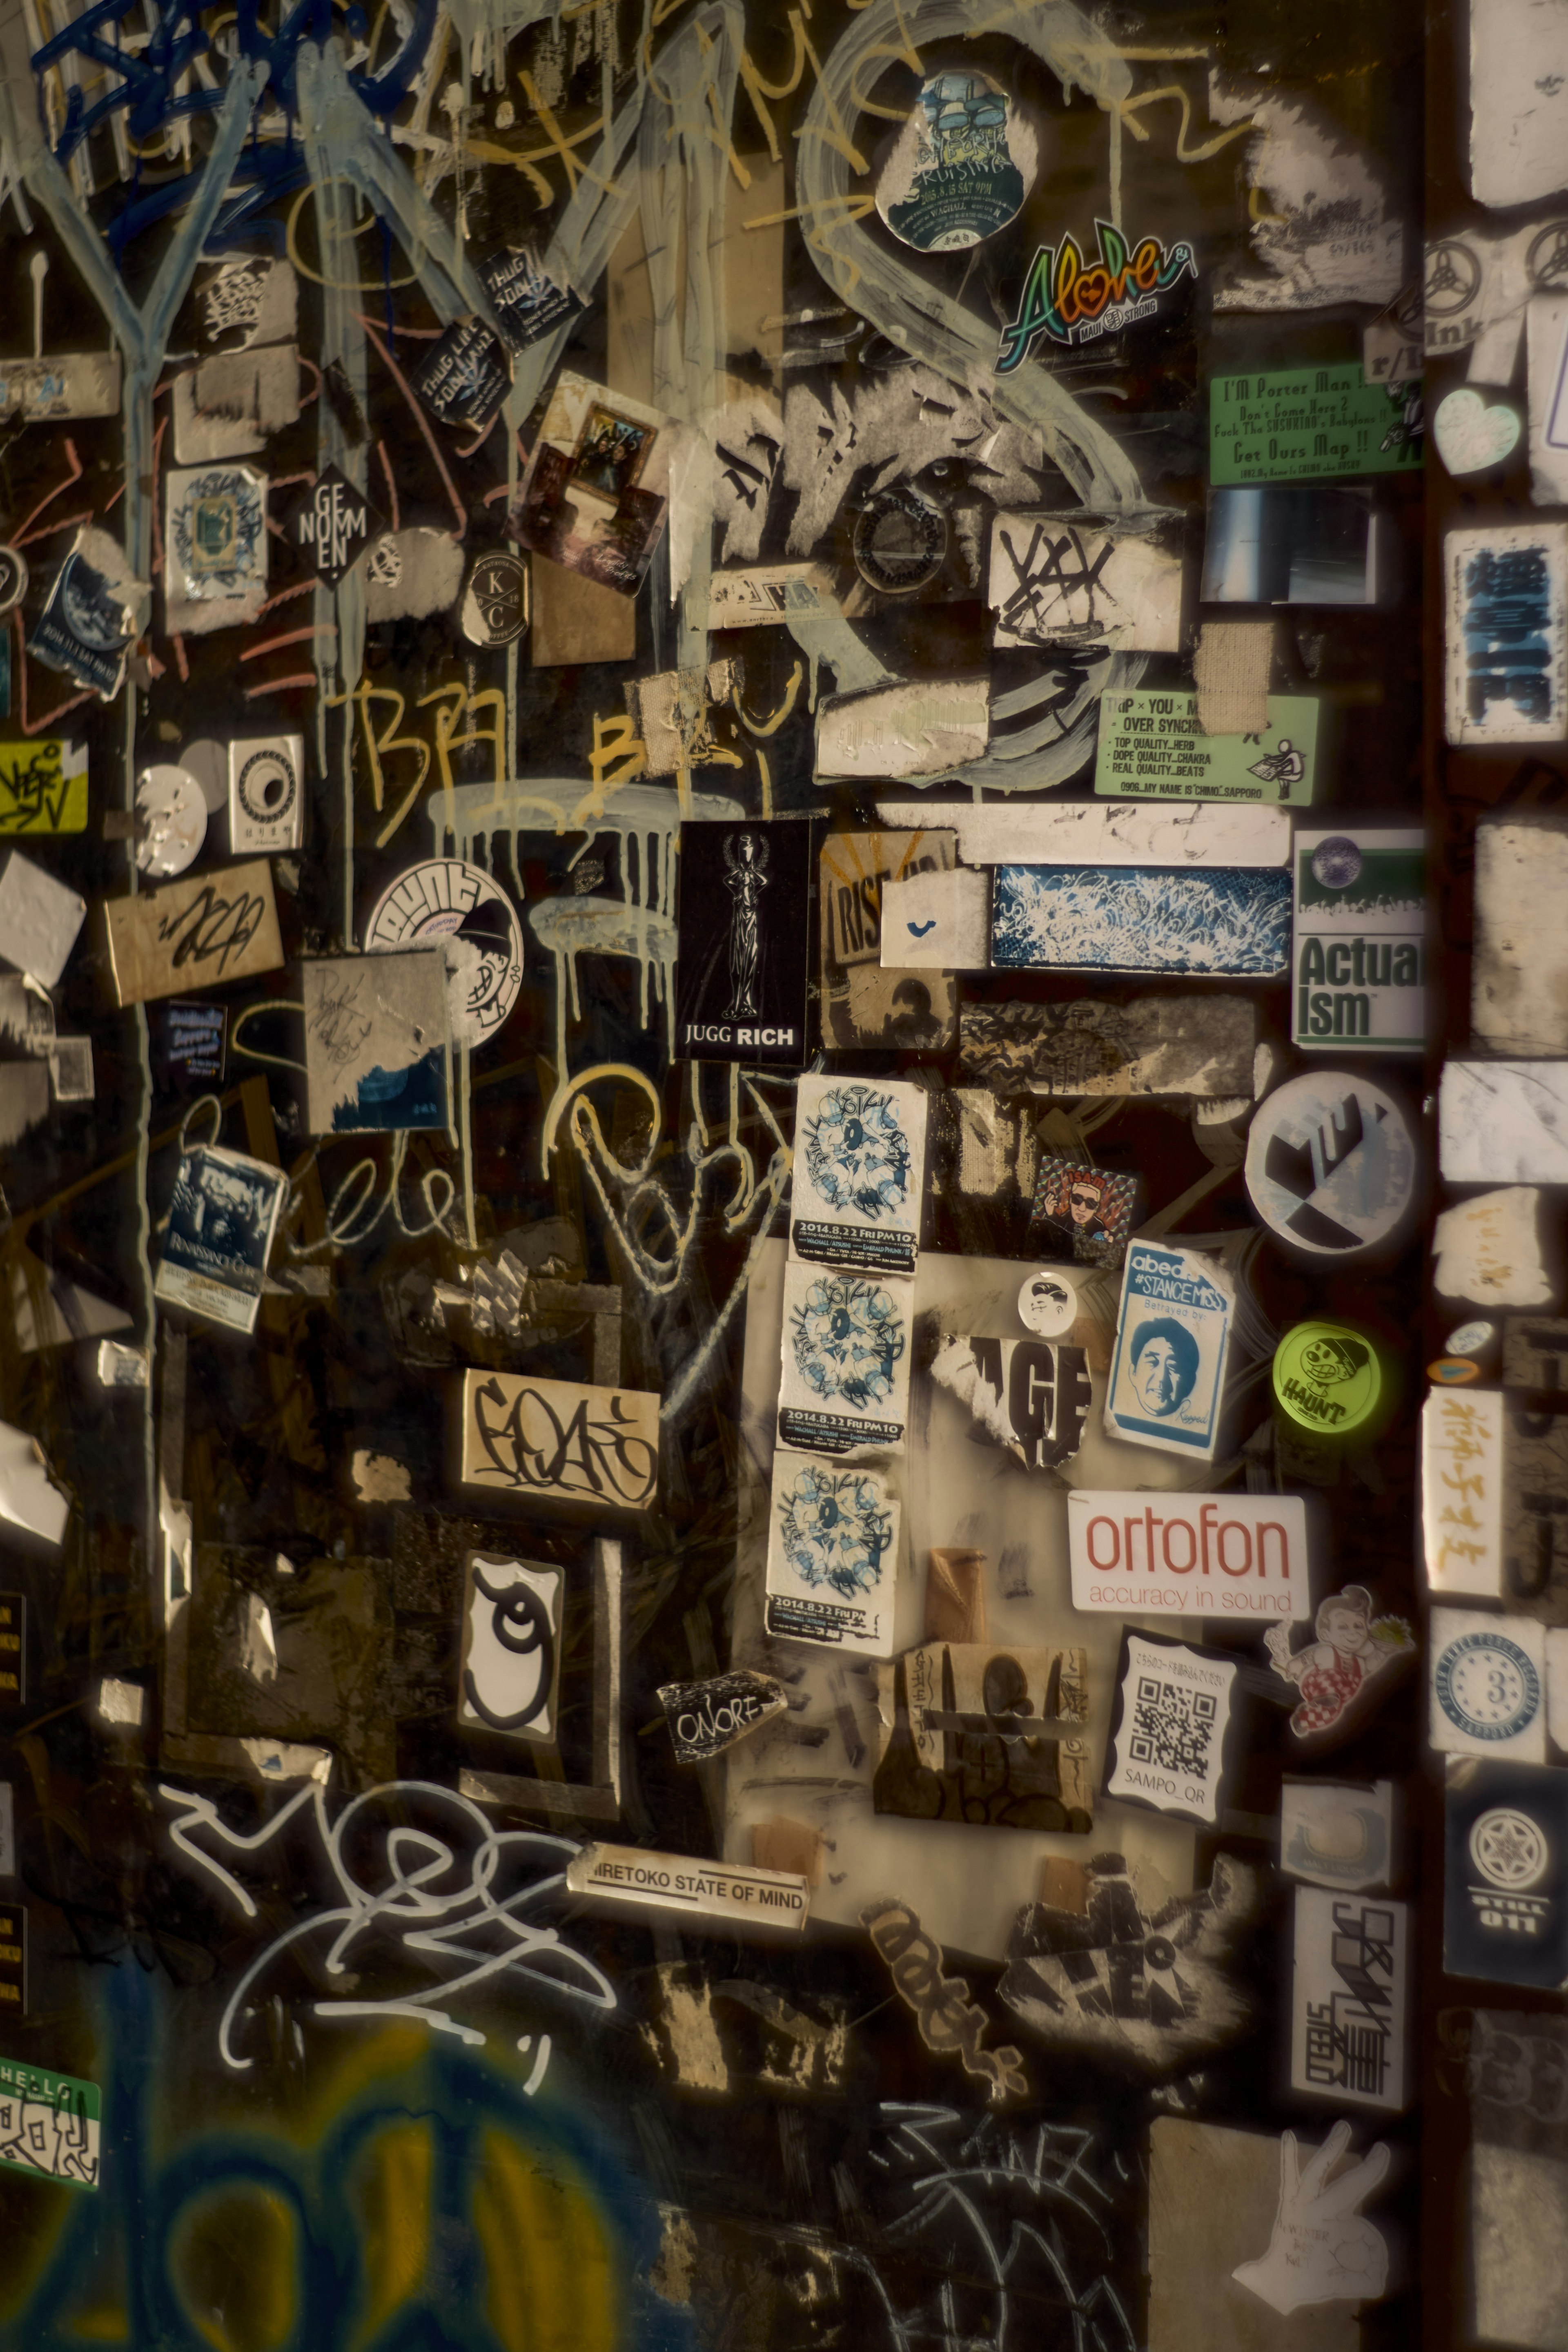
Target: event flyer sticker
[(1152, 747), (1307, 424)]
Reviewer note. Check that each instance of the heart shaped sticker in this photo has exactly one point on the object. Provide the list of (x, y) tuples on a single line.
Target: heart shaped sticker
[(1470, 436)]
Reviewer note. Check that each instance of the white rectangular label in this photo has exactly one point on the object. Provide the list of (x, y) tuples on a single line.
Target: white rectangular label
[(625, 1877), (1350, 1997), (1224, 1556), (1461, 1491)]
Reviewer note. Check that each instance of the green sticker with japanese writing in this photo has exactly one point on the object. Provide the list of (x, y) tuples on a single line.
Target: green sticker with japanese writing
[(1310, 424)]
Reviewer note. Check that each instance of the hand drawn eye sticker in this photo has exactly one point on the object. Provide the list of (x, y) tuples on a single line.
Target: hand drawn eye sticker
[(510, 1628), (857, 1154)]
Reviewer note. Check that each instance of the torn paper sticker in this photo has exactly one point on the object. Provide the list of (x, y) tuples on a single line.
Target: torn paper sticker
[(1052, 581), (921, 729)]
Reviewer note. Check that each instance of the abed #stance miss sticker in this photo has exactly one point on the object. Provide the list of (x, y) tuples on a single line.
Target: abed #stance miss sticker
[(1172, 1336)]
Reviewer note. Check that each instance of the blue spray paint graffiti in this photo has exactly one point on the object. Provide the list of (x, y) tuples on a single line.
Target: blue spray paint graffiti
[(131, 2230)]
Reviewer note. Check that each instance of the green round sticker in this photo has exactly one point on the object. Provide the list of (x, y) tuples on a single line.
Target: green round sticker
[(1328, 1377)]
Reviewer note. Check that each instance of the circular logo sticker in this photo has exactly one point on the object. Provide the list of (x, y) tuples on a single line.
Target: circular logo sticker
[(1546, 262), (172, 820), (899, 541), (267, 786), (960, 168), (1470, 1340), (1453, 276), (1508, 1849), (1337, 863), (1327, 1378), (494, 607), (13, 577), (1331, 1164), (1487, 1686), (1452, 1373), (1047, 1304), (458, 906)]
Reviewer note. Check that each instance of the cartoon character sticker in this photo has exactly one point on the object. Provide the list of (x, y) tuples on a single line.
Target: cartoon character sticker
[(1080, 1215), (1354, 1644)]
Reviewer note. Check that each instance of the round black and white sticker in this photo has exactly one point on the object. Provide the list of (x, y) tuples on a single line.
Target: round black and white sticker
[(1332, 1164), (444, 901)]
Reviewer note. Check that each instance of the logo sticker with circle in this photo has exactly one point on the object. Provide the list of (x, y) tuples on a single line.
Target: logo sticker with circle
[(494, 608), (1487, 1686), (1509, 1849), (899, 541), (1332, 1164), (13, 577), (1327, 1378), (445, 900)]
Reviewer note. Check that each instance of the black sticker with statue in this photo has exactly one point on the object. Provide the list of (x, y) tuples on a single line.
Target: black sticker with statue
[(961, 167), (740, 969)]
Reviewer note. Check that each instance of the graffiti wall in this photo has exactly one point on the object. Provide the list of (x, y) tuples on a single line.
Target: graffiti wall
[(780, 1193)]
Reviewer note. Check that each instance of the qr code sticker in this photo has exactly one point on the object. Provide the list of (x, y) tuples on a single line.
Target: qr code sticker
[(1172, 1727)]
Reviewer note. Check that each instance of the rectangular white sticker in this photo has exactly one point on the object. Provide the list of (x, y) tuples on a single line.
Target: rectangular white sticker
[(1461, 1491), (627, 1877), (1350, 1997), (1488, 1685), (859, 1172), (1224, 1556), (833, 1555)]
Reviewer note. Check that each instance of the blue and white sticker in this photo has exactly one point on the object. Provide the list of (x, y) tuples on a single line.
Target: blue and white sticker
[(833, 1555), (848, 1342), (1173, 1334), (1489, 1685), (859, 1177)]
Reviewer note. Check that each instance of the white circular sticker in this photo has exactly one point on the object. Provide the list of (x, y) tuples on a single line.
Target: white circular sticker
[(1047, 1304), (1470, 1340), (1330, 1163), (961, 167), (458, 906), (172, 820), (1508, 1848)]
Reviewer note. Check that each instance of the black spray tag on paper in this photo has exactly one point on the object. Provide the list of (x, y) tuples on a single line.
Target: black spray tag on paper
[(740, 977)]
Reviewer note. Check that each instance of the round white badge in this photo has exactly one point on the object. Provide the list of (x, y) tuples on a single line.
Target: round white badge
[(1332, 1164), (448, 903), (1508, 1848), (172, 814), (1047, 1304)]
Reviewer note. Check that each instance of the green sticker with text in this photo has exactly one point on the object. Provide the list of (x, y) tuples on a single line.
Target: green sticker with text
[(1308, 425)]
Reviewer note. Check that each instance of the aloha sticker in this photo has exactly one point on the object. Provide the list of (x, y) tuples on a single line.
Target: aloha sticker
[(1068, 300)]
